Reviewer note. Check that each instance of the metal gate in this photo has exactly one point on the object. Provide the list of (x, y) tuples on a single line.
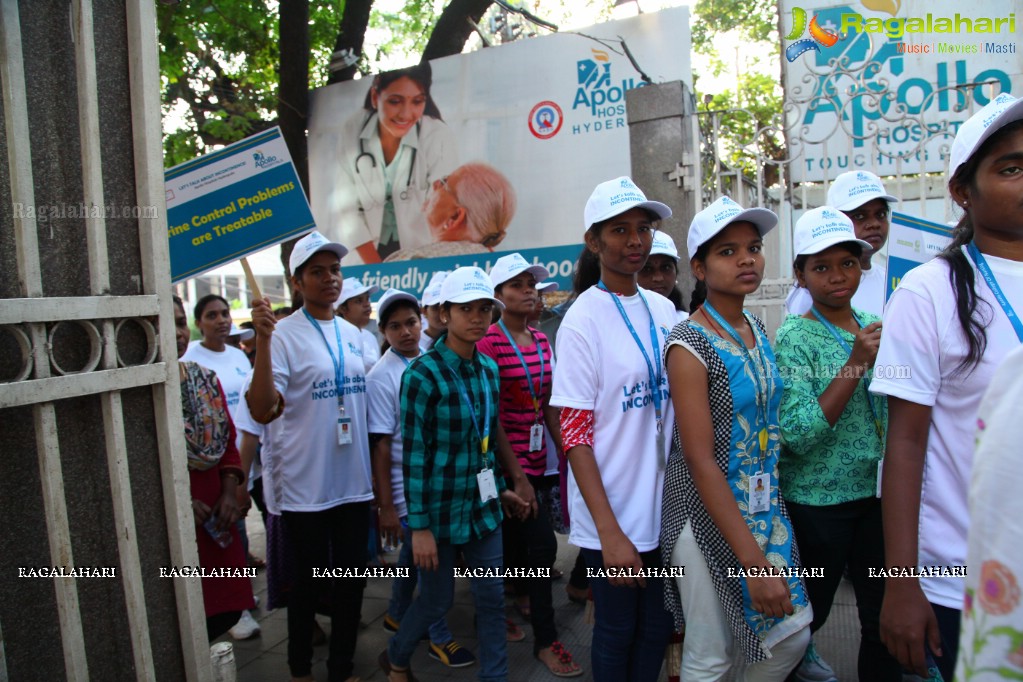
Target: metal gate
[(76, 340), (849, 87)]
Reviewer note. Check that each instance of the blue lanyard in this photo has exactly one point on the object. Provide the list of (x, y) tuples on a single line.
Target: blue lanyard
[(403, 358), (989, 277), (848, 349), (761, 378), (483, 436), (655, 378), (535, 393), (339, 367)]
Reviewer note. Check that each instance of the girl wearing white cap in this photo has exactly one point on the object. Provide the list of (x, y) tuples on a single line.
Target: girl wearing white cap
[(399, 318), (309, 388), (524, 360), (832, 432), (611, 386), (660, 274), (948, 325), (724, 517), (355, 308), (453, 488), (861, 196)]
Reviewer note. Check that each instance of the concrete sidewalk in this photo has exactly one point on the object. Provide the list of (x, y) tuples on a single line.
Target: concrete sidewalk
[(264, 658)]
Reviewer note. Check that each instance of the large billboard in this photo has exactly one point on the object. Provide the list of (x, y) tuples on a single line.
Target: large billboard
[(497, 153), (884, 85)]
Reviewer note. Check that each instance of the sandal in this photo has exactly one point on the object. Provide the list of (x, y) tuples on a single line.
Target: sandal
[(513, 632), (385, 664), (564, 658)]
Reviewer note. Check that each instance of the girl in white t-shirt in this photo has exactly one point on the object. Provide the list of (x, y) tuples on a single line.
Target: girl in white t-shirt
[(611, 386), (309, 388), (947, 327)]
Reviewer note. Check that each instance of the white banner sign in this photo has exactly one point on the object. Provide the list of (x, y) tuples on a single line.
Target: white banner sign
[(884, 85), (500, 157)]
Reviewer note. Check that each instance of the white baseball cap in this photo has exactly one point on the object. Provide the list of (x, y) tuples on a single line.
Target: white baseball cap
[(313, 243), (999, 112), (353, 286), (392, 296), (431, 294), (615, 197), (852, 189), (513, 265), (664, 245), (467, 284), (547, 287), (242, 334), (822, 228), (720, 215)]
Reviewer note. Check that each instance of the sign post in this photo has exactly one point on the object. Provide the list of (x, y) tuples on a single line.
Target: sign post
[(233, 202)]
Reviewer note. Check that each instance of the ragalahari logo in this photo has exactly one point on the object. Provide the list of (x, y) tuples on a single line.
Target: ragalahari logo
[(818, 35)]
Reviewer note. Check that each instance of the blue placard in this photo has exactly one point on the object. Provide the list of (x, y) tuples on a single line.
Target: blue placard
[(912, 241), (233, 202)]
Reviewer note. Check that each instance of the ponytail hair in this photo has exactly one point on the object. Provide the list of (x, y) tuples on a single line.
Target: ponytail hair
[(587, 271), (700, 290), (960, 275)]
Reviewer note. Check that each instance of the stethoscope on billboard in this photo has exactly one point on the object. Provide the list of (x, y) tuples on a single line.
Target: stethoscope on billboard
[(373, 162)]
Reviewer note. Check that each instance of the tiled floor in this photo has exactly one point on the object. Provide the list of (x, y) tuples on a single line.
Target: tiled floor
[(264, 658)]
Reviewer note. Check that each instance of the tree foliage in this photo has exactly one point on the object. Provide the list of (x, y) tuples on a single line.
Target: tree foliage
[(755, 20)]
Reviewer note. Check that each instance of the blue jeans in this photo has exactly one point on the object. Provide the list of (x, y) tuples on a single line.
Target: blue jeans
[(631, 627), (403, 588), (436, 593)]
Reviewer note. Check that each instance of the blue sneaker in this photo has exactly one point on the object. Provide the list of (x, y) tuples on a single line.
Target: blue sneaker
[(452, 654)]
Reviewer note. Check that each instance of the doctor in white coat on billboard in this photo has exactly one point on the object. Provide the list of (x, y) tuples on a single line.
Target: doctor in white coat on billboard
[(390, 153)]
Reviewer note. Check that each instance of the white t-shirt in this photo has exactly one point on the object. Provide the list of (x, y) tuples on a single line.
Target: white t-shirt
[(922, 337), (383, 384), (600, 368), (243, 421), (370, 349), (231, 366), (304, 467), (869, 297)]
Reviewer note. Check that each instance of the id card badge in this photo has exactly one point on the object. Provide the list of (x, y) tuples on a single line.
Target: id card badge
[(759, 493), (535, 437), (880, 466), (344, 430), (488, 487)]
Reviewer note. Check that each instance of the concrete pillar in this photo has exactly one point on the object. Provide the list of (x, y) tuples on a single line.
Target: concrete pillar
[(665, 156)]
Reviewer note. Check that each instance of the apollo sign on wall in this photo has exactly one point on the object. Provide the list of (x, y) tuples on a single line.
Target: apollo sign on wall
[(880, 84), (547, 113)]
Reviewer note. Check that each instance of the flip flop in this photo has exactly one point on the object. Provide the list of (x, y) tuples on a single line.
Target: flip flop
[(564, 658), (513, 632)]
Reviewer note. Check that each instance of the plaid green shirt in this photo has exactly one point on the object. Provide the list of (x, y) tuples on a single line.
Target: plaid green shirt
[(441, 448)]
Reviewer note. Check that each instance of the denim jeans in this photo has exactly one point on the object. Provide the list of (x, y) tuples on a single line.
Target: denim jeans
[(436, 593), (632, 628), (403, 588)]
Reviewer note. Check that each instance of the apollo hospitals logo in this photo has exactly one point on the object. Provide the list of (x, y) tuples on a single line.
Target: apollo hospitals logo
[(261, 160), (818, 35)]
